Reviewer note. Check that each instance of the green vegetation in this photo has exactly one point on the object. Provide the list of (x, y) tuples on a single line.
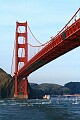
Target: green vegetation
[(47, 89), (6, 85), (74, 87), (35, 90)]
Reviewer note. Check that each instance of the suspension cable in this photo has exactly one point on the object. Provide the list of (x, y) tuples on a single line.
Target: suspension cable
[(33, 35), (13, 58), (37, 40), (38, 46)]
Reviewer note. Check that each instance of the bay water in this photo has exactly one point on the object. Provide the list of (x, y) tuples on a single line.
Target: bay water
[(39, 109)]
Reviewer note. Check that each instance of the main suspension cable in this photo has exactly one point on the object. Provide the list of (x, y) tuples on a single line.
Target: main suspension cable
[(33, 35), (12, 59)]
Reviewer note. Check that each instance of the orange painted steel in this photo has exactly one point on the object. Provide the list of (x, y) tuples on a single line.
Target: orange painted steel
[(66, 40), (21, 85)]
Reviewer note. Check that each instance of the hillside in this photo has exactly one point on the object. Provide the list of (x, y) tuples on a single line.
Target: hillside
[(38, 91), (6, 85), (74, 87), (35, 90)]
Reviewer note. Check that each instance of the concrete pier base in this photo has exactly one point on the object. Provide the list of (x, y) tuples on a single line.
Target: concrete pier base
[(21, 96)]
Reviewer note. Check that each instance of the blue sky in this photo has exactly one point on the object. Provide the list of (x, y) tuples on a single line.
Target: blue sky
[(45, 18)]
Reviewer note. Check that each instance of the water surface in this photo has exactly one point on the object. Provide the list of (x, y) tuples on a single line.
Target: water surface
[(54, 109)]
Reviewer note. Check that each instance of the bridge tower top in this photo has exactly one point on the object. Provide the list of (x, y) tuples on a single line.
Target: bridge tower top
[(21, 44)]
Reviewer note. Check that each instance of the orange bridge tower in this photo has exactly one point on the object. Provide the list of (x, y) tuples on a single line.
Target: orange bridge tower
[(21, 83)]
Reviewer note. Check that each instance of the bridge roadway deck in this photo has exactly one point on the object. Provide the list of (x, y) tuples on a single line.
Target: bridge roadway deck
[(59, 45)]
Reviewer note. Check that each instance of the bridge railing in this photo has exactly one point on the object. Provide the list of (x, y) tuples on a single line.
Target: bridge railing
[(40, 46), (47, 45), (71, 21), (54, 41)]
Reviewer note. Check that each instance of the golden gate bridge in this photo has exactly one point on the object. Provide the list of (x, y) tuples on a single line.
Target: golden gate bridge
[(29, 54)]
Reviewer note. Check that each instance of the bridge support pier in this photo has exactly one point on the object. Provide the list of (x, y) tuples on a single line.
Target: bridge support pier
[(21, 88), (15, 86)]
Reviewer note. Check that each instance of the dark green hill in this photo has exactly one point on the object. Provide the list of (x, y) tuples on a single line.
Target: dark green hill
[(38, 91), (6, 85), (35, 90), (74, 87)]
